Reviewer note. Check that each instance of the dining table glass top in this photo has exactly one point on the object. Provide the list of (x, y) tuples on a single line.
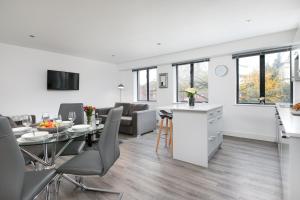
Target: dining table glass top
[(61, 136)]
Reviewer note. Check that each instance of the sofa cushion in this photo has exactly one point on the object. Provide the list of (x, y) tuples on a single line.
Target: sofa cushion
[(137, 107), (126, 108), (126, 121)]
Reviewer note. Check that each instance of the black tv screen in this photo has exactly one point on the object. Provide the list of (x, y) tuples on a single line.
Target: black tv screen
[(58, 80)]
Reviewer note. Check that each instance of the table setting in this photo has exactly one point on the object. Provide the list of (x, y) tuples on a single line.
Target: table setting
[(51, 131)]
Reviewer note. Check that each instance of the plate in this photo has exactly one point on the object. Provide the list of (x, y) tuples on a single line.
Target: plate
[(66, 123), (295, 112), (36, 136), (101, 126), (21, 130), (81, 127)]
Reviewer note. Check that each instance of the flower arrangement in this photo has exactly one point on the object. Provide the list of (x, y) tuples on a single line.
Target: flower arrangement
[(191, 92), (89, 112)]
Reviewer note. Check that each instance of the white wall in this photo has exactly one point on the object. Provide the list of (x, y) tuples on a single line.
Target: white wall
[(248, 121), (23, 81)]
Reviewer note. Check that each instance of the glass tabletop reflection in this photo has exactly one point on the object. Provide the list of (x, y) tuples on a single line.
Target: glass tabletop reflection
[(65, 135)]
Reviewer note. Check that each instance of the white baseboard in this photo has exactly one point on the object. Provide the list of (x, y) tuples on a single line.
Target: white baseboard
[(250, 136)]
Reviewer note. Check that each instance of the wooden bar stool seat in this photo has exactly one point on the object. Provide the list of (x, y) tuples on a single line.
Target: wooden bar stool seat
[(164, 115)]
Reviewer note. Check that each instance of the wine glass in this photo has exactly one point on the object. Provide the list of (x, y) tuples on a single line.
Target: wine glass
[(45, 117), (72, 116), (58, 121), (97, 120), (27, 121)]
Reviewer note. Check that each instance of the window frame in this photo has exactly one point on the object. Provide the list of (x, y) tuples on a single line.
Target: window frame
[(148, 87), (262, 77), (191, 76)]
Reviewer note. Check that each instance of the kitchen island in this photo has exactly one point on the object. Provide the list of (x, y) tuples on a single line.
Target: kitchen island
[(288, 138), (196, 132)]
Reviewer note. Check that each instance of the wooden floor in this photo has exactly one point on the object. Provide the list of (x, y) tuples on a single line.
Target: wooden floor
[(241, 170)]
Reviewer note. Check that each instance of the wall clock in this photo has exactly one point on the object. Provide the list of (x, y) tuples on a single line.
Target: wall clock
[(221, 70)]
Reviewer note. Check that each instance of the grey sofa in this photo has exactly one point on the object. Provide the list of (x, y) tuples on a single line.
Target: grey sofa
[(136, 119)]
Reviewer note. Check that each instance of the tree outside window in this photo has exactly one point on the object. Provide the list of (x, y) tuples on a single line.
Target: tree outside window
[(266, 76)]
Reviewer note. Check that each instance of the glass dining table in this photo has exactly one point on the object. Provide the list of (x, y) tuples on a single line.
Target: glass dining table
[(66, 137)]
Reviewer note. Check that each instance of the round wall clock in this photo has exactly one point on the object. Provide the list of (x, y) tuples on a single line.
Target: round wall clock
[(221, 70)]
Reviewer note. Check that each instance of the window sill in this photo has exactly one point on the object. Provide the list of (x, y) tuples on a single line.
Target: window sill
[(144, 101), (255, 105)]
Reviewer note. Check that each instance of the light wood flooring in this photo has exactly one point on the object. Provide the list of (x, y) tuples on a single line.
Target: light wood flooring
[(241, 170)]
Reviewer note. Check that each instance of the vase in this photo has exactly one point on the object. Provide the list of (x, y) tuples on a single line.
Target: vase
[(89, 119), (191, 101)]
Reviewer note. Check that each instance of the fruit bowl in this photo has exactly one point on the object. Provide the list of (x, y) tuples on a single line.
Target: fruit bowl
[(295, 112), (296, 109), (52, 127), (52, 130)]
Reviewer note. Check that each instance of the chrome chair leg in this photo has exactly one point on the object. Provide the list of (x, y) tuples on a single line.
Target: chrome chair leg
[(84, 187), (48, 192), (57, 182)]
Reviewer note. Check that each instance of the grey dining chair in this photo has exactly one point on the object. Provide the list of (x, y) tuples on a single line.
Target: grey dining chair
[(96, 162), (78, 144), (16, 183), (65, 108)]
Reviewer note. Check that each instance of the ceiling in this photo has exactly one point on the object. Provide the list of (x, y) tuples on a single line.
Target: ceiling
[(124, 30)]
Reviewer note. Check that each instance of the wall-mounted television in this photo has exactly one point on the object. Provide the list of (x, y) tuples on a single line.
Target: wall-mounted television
[(58, 80)]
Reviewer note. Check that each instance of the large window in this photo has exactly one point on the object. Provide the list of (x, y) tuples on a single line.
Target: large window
[(194, 74), (146, 84), (264, 78)]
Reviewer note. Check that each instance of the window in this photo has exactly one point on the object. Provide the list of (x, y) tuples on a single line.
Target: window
[(146, 84), (194, 74), (265, 76)]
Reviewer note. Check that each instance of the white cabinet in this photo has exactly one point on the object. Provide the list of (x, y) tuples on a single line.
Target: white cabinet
[(215, 136), (197, 133), (288, 150)]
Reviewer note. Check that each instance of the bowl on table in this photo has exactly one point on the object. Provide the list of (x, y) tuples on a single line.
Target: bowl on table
[(296, 109), (53, 127), (295, 112), (52, 130)]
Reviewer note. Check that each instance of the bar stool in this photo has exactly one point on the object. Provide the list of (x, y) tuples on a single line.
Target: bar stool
[(169, 126)]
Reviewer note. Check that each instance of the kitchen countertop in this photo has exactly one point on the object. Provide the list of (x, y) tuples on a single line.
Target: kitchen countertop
[(291, 123), (201, 107)]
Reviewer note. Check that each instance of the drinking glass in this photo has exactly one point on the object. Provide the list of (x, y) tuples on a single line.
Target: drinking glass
[(97, 120), (72, 116), (58, 121), (45, 117), (27, 121)]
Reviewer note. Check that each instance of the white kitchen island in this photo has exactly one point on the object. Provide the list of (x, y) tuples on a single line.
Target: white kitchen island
[(196, 132), (288, 136)]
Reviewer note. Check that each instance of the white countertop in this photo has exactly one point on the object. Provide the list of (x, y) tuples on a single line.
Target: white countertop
[(291, 123), (201, 107)]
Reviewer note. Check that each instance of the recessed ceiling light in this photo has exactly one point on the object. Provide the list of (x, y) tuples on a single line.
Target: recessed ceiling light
[(32, 36), (248, 20), (158, 43)]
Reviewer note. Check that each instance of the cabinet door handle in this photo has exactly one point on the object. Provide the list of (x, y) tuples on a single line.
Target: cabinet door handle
[(219, 118), (211, 122), (212, 138)]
